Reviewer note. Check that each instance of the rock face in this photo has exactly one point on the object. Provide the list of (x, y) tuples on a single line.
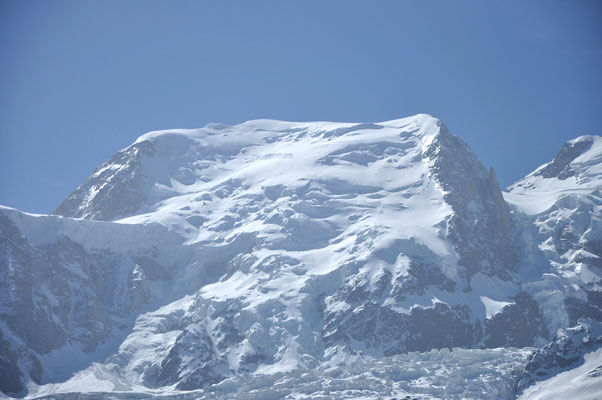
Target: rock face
[(197, 256), (56, 294), (480, 227), (66, 285), (117, 184)]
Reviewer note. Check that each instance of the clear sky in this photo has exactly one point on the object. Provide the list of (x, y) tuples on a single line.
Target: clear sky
[(80, 80)]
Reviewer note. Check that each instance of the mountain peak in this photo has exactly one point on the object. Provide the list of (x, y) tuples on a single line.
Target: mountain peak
[(571, 157), (426, 124), (576, 170), (340, 166), (167, 163)]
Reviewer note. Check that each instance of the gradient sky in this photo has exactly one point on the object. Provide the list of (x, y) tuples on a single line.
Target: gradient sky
[(80, 80)]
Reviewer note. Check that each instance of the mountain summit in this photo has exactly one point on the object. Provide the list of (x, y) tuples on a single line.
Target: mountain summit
[(193, 258)]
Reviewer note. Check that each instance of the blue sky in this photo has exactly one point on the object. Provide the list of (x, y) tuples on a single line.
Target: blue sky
[(80, 80)]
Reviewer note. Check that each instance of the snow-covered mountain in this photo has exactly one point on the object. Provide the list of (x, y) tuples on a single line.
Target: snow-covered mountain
[(558, 214), (230, 258)]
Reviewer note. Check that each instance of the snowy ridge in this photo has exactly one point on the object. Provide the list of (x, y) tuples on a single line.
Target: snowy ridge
[(248, 254)]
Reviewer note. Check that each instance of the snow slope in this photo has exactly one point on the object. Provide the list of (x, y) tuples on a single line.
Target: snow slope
[(570, 366), (583, 382), (237, 255)]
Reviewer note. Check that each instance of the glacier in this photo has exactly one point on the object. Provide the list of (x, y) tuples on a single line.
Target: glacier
[(276, 259)]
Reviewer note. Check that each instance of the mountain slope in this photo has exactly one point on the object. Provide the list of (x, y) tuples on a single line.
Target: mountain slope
[(194, 257), (558, 211)]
